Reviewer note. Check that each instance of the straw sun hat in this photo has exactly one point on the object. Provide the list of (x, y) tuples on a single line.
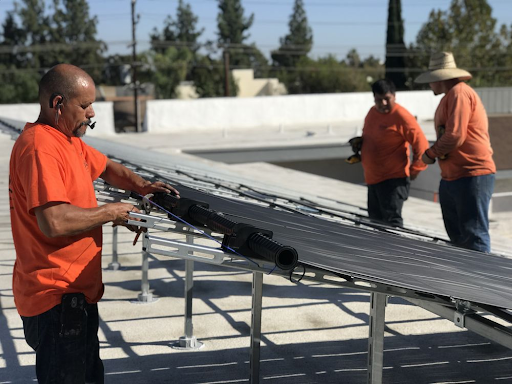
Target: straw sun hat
[(442, 67)]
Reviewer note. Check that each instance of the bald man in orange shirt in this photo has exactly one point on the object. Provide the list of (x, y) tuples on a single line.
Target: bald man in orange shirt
[(464, 151), (57, 228)]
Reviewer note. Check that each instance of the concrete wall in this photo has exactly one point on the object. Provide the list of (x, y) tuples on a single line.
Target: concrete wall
[(497, 100), (29, 112), (273, 112)]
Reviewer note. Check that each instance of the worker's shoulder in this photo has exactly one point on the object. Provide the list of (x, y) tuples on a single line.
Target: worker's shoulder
[(404, 115), (462, 89), (37, 137)]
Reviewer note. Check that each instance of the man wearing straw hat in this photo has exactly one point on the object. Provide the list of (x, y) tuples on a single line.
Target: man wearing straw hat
[(464, 152)]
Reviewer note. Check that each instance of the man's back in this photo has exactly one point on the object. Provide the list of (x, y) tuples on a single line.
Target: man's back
[(465, 142)]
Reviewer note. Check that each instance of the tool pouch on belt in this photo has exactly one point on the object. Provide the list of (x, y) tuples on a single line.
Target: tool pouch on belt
[(72, 316)]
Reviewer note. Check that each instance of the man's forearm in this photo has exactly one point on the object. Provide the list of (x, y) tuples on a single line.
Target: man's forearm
[(121, 177), (62, 219)]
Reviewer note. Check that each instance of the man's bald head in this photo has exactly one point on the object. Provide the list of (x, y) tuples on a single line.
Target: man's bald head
[(63, 79)]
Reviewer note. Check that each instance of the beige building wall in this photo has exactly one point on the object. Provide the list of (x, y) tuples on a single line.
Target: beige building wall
[(248, 86), (186, 91)]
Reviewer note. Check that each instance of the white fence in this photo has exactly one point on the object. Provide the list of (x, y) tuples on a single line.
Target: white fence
[(238, 114), (29, 112), (274, 111)]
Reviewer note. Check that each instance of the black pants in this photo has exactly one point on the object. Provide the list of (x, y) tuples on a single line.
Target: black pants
[(68, 358), (386, 199)]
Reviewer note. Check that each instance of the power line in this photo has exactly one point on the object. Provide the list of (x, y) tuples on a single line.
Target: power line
[(314, 22), (268, 68), (288, 49)]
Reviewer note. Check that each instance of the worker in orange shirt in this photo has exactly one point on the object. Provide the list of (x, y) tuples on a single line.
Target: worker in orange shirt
[(389, 130), (464, 151), (56, 226)]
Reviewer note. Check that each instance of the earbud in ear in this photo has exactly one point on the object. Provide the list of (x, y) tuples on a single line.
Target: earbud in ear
[(59, 102)]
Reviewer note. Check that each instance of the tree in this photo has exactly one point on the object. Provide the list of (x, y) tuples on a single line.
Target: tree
[(232, 23), (171, 68), (181, 33), (232, 32), (76, 40), (353, 59), (504, 77), (176, 53), (116, 71), (13, 38), (35, 26), (208, 75), (43, 39), (328, 75), (19, 74), (18, 85), (395, 46), (298, 42), (468, 30)]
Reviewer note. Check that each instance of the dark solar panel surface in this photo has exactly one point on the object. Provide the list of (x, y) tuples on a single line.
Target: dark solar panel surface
[(375, 256), (399, 261)]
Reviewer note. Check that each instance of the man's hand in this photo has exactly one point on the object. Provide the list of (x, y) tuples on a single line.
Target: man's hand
[(427, 160), (159, 186), (119, 176), (120, 213)]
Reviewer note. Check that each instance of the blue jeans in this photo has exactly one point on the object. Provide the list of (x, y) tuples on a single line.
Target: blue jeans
[(386, 200), (71, 358), (465, 207)]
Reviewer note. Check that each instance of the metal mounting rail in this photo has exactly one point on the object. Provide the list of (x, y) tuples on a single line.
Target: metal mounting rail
[(464, 314)]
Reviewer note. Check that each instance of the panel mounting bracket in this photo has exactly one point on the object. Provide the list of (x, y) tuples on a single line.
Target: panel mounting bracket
[(463, 309)]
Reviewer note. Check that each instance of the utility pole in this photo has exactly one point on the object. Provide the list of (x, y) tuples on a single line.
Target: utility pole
[(226, 72), (134, 70)]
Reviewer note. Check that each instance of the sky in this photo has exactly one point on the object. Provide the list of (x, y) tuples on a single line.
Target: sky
[(338, 25)]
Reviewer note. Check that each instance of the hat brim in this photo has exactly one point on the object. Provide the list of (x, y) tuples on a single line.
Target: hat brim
[(443, 74)]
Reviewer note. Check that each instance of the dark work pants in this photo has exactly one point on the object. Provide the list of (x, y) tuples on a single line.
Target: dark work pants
[(386, 199), (72, 359), (465, 207)]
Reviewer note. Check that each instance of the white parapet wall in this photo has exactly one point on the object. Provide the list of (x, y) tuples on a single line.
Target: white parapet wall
[(274, 111), (104, 111)]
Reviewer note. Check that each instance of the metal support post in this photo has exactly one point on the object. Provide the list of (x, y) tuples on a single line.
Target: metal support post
[(189, 341), (114, 265), (145, 296), (376, 337), (257, 298)]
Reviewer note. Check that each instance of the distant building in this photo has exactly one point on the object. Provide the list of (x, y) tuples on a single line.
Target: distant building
[(248, 86), (186, 91), (122, 97)]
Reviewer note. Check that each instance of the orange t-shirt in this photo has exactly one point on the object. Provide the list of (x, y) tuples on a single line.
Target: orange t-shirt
[(47, 166), (465, 141), (386, 140)]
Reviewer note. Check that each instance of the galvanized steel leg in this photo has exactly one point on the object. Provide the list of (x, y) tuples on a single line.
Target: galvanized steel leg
[(376, 337), (145, 296), (189, 341), (257, 298), (114, 265), (189, 295)]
